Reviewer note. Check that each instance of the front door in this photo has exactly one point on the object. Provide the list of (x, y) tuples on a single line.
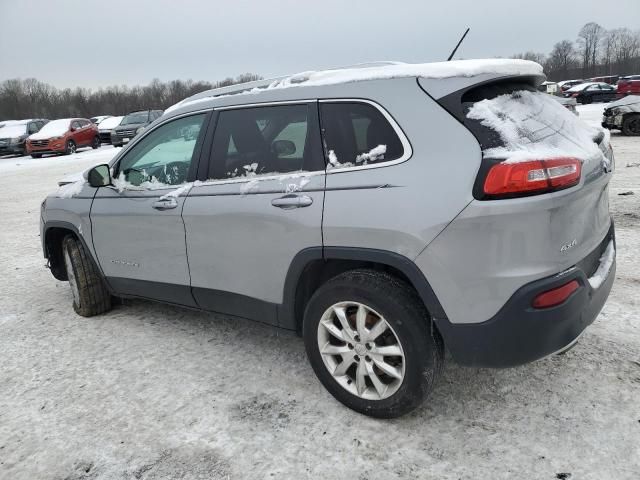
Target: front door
[(261, 206), (138, 233)]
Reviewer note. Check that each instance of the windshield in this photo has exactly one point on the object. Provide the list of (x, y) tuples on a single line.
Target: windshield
[(55, 127), (11, 131), (138, 117)]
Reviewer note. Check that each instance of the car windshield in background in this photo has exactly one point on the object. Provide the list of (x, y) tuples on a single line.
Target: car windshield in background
[(10, 131), (140, 117)]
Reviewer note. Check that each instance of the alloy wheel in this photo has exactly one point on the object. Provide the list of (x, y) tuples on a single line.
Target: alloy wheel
[(361, 351)]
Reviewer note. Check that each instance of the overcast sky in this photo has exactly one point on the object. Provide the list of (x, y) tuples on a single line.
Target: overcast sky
[(93, 43)]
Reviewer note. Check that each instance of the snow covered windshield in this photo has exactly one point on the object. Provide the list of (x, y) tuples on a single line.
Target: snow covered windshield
[(110, 123), (11, 131), (53, 128), (532, 125)]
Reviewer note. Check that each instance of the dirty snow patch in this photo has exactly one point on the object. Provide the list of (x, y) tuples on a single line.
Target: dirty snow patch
[(606, 261)]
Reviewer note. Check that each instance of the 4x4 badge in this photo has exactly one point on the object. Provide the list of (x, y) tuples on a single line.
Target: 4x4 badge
[(569, 245)]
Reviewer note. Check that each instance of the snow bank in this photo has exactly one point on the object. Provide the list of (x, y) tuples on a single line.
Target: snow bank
[(534, 125), (54, 128), (606, 262)]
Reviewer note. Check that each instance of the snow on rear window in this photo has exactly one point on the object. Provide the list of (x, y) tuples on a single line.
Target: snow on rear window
[(532, 125)]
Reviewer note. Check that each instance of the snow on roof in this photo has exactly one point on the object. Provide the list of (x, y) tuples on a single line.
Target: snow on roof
[(436, 70), (582, 86)]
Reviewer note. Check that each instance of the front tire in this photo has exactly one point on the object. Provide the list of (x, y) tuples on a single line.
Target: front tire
[(370, 341), (71, 148), (90, 296), (631, 125), (36, 155)]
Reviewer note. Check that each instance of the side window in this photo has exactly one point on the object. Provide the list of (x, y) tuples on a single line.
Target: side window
[(163, 156), (33, 128), (84, 123), (265, 141), (357, 134), (75, 124)]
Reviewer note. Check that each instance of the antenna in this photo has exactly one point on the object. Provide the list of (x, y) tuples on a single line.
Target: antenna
[(456, 49)]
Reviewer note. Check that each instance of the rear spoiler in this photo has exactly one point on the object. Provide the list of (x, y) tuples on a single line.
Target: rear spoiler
[(449, 94)]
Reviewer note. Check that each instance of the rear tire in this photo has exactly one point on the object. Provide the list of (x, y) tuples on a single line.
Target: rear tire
[(90, 295), (631, 125), (96, 143), (414, 363)]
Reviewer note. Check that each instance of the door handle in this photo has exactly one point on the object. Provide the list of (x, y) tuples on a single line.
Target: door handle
[(165, 203), (291, 201)]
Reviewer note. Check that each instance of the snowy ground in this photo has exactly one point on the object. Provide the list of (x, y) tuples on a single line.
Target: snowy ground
[(154, 392)]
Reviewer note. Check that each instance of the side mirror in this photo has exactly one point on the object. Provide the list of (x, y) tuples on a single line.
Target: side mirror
[(99, 176), (282, 148)]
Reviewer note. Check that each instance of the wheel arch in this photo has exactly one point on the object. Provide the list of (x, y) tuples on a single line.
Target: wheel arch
[(312, 267), (54, 233)]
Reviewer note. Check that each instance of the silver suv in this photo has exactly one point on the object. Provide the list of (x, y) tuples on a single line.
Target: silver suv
[(383, 212)]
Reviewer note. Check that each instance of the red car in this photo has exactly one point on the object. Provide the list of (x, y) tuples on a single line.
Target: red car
[(63, 136), (629, 86)]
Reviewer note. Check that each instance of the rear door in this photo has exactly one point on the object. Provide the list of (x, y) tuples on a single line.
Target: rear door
[(138, 233), (261, 206)]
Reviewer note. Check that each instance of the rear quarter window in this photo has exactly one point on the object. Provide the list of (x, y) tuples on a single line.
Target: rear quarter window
[(357, 134)]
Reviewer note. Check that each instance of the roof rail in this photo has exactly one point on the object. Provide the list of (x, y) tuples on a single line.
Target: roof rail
[(243, 87)]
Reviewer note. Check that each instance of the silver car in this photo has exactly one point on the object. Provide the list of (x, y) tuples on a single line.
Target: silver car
[(383, 212)]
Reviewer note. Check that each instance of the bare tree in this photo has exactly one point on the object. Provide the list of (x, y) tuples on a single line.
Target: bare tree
[(540, 58), (562, 58), (31, 98), (589, 39)]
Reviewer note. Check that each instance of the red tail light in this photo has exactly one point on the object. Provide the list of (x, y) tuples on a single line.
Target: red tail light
[(532, 177), (574, 95), (554, 297)]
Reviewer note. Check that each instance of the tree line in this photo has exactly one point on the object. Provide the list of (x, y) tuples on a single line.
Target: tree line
[(31, 98), (596, 52)]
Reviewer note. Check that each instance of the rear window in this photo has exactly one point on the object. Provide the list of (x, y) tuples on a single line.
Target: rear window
[(514, 122), (357, 134)]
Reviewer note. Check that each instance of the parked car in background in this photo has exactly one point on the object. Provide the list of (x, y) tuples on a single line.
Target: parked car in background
[(623, 115), (629, 86), (99, 119), (592, 92), (13, 135), (568, 103), (567, 84), (131, 125), (63, 136), (106, 126)]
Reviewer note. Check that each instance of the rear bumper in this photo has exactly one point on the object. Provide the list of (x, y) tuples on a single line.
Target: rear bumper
[(13, 149), (519, 333)]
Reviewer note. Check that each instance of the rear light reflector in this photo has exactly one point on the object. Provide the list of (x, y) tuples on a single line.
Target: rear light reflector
[(554, 297), (533, 176)]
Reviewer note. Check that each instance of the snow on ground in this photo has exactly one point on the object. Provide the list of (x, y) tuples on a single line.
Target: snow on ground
[(150, 391)]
